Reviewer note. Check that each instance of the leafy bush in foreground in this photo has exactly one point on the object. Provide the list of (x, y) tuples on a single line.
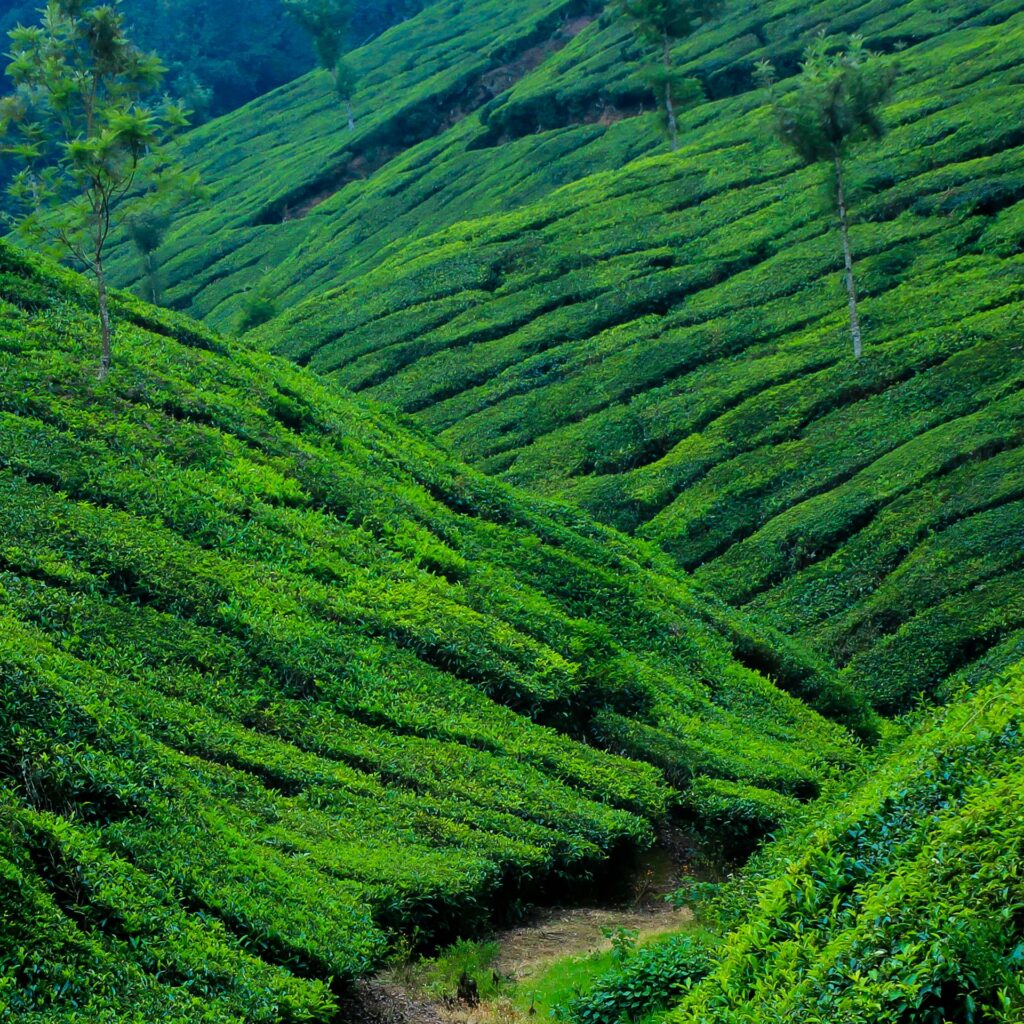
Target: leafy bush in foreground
[(650, 978)]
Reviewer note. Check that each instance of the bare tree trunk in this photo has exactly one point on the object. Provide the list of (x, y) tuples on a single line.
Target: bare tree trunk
[(851, 284), (153, 274), (670, 103), (101, 289)]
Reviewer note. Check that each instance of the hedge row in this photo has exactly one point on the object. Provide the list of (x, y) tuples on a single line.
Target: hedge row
[(283, 681)]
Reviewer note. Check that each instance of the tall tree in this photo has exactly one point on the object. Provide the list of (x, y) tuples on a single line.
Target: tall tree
[(327, 22), (835, 104), (345, 82), (146, 228), (90, 148), (661, 24)]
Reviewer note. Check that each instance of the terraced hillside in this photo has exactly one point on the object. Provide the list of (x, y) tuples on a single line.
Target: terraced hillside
[(502, 105), (281, 680), (896, 900), (664, 346), (661, 341), (280, 168)]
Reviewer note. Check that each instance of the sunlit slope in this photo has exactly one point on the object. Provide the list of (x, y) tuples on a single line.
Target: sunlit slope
[(282, 679), (665, 346)]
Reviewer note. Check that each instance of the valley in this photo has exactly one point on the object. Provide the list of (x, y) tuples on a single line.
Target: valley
[(486, 587)]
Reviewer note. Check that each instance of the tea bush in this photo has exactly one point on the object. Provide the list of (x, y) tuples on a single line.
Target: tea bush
[(285, 685)]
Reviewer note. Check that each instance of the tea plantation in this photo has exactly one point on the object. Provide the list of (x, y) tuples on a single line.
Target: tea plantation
[(542, 506), (283, 681), (897, 899), (661, 341)]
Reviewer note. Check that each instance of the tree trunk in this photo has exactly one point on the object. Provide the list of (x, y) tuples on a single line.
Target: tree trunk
[(101, 289), (153, 274), (351, 116), (670, 103), (851, 284)]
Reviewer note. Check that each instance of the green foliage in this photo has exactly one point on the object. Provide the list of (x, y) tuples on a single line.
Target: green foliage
[(658, 341), (259, 308), (651, 978), (895, 899), (220, 56), (734, 816), (87, 145), (284, 685), (147, 228), (836, 101), (660, 24), (327, 23), (656, 20), (345, 80), (623, 942), (439, 978)]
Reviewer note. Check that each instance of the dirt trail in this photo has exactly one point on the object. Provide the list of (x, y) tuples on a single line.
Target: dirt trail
[(557, 934), (550, 935), (553, 934)]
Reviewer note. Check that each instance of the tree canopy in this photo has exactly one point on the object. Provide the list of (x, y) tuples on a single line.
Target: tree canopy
[(676, 19), (661, 23), (836, 101), (220, 56), (88, 139)]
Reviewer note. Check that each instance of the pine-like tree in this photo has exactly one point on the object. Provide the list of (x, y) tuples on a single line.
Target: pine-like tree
[(661, 24), (89, 147), (327, 22), (146, 229), (836, 103)]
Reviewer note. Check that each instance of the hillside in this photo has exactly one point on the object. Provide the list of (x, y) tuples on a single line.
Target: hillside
[(283, 681), (661, 341), (898, 899)]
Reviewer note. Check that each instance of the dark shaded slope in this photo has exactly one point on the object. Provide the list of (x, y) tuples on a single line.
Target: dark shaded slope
[(281, 680)]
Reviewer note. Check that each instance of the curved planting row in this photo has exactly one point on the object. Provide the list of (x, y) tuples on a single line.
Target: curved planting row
[(282, 681), (663, 346), (896, 900)]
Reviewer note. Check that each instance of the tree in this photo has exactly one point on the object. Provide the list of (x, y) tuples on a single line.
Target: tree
[(327, 22), (258, 308), (146, 229), (660, 24), (836, 103), (345, 81), (89, 148)]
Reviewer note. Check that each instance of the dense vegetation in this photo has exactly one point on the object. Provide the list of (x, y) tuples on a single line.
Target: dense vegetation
[(661, 341), (897, 899), (220, 57), (290, 681), (281, 680)]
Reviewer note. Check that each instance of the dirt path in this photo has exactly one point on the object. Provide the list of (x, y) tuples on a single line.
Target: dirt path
[(554, 934), (550, 935), (557, 934)]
